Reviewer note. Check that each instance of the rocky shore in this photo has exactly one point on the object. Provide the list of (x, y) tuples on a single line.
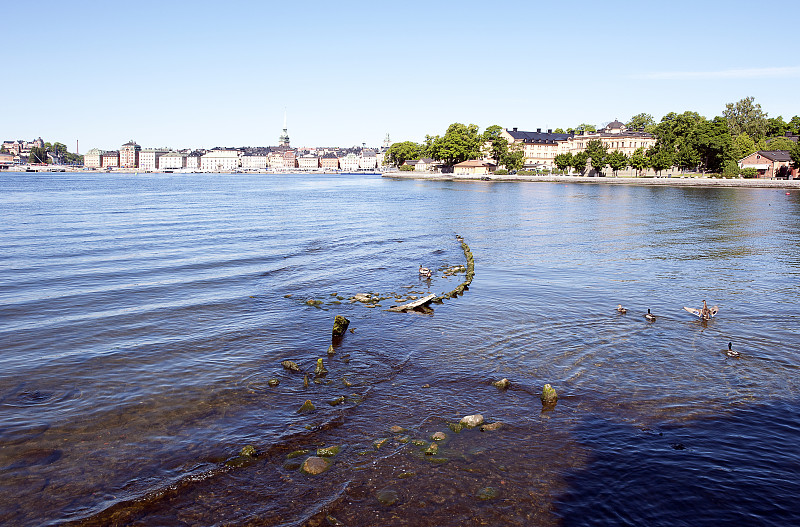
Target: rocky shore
[(675, 181)]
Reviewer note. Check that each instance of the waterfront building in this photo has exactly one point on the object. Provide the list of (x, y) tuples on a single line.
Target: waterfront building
[(368, 159), (289, 159), (129, 155), (13, 147), (474, 167), (308, 162), (93, 158), (110, 159), (426, 164), (350, 162), (221, 160), (541, 148), (6, 159), (148, 158), (193, 160), (255, 160), (770, 164), (329, 161), (172, 161)]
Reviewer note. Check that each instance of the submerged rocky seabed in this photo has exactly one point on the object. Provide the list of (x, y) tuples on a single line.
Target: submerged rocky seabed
[(177, 352)]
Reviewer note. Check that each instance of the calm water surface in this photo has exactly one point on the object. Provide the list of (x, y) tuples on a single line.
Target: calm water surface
[(141, 318)]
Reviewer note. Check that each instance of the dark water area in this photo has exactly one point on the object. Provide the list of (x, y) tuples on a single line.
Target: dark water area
[(142, 318)]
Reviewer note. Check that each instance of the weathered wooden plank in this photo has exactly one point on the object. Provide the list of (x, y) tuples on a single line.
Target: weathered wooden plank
[(411, 305)]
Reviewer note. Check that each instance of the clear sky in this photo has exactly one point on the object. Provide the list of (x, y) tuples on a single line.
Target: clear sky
[(202, 74)]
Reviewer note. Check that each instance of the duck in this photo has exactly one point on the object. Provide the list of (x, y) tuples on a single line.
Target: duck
[(730, 352), (425, 272), (705, 312), (649, 316), (621, 309)]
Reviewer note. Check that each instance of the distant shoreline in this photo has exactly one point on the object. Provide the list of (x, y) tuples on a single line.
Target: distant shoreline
[(686, 181)]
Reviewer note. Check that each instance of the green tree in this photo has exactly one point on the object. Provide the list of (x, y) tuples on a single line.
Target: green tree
[(779, 143), (496, 143), (745, 116), (514, 158), (558, 131), (641, 121), (795, 153), (598, 153), (794, 125), (617, 161), (661, 161), (399, 153), (776, 126), (639, 161), (563, 161), (3, 149), (584, 127), (713, 143), (459, 143), (37, 155), (579, 161), (742, 146)]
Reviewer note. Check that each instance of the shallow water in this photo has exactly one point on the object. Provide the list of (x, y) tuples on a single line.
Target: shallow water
[(142, 316)]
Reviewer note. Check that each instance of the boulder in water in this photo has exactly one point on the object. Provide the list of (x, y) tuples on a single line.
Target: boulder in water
[(471, 421), (307, 407), (315, 465), (340, 324), (502, 384), (290, 365)]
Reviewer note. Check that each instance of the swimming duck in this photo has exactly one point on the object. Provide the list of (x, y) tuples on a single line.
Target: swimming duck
[(425, 272), (729, 352), (649, 316), (621, 309), (705, 312)]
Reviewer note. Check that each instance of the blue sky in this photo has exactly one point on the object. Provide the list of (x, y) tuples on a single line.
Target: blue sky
[(203, 74)]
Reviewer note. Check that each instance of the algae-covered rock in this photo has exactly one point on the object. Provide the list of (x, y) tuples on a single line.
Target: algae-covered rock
[(439, 436), (471, 421), (387, 497), (336, 401), (491, 427), (378, 443), (346, 382), (549, 395), (313, 303), (290, 365), (307, 407), (432, 449), (361, 297), (331, 351), (486, 493), (455, 427), (419, 442), (340, 324), (404, 475), (329, 451), (320, 369), (248, 450), (396, 429), (305, 381), (297, 453), (273, 382), (502, 384), (333, 521), (315, 465)]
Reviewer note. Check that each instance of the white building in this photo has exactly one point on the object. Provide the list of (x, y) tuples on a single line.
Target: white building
[(350, 162), (368, 160), (220, 161), (308, 162), (193, 160), (172, 161), (148, 158), (93, 158), (255, 161)]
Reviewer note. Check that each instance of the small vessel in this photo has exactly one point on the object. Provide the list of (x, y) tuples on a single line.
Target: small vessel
[(705, 312)]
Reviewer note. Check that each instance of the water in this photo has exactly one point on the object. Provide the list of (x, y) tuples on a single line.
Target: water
[(141, 318)]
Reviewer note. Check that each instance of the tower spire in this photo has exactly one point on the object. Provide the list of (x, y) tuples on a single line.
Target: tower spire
[(284, 138)]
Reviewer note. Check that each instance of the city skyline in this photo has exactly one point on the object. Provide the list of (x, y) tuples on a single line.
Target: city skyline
[(202, 75)]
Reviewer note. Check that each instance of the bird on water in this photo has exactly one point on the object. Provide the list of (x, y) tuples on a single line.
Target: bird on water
[(425, 272), (621, 309), (649, 316), (730, 352), (705, 312)]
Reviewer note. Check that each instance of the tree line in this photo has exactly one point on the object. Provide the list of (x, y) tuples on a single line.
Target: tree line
[(39, 155), (687, 141)]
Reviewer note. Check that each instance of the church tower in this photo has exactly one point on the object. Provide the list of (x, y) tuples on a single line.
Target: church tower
[(283, 140)]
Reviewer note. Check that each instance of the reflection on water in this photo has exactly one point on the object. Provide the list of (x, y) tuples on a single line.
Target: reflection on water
[(142, 319)]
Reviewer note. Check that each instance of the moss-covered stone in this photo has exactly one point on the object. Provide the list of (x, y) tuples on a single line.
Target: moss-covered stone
[(405, 475), (320, 370), (502, 384), (491, 427), (549, 395), (331, 351), (273, 382), (432, 449), (340, 324), (378, 443), (248, 450), (315, 465), (486, 493), (396, 429), (336, 401), (455, 427), (346, 382), (329, 451), (297, 453), (387, 497), (439, 436), (307, 407), (290, 365), (305, 381), (419, 442), (471, 421)]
